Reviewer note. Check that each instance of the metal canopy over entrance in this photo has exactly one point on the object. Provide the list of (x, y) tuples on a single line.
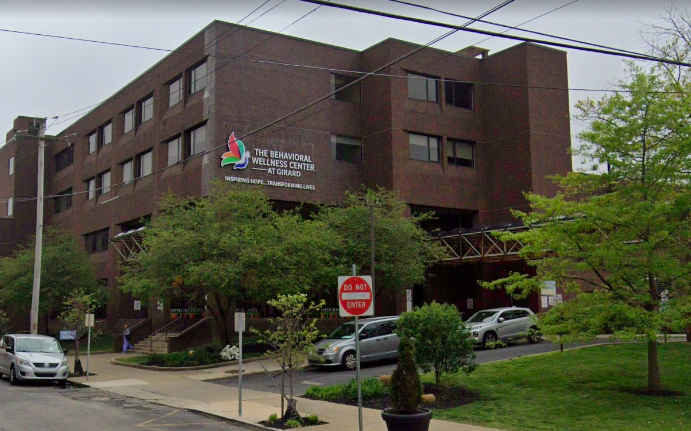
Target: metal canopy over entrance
[(129, 243), (481, 245)]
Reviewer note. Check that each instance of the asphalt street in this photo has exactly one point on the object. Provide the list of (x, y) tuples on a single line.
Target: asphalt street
[(46, 407), (313, 376)]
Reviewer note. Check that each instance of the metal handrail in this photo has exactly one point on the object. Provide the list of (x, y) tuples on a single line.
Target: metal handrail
[(168, 328)]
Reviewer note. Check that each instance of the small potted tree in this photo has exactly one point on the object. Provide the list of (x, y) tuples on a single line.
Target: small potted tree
[(406, 391)]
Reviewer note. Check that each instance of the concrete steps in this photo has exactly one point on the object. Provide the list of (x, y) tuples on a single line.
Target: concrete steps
[(159, 345)]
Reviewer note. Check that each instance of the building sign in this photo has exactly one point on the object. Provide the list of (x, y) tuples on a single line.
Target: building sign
[(285, 166)]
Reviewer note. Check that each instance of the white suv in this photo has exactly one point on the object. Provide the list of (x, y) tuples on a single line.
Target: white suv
[(508, 324)]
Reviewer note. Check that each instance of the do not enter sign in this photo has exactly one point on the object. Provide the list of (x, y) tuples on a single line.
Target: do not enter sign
[(355, 297)]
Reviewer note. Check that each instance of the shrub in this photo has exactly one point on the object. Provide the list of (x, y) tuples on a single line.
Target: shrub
[(312, 420), (495, 344), (328, 393), (370, 388), (428, 398), (443, 344), (293, 423), (406, 388), (273, 417), (385, 379)]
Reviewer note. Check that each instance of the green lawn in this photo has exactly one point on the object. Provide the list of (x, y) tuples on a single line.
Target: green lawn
[(101, 343), (579, 390)]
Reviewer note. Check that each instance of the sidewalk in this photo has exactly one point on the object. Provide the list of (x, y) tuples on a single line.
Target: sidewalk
[(189, 390)]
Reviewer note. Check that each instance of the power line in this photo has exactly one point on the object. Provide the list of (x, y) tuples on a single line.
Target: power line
[(491, 33)]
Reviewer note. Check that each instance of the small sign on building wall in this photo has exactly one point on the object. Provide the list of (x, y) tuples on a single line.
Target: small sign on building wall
[(469, 303), (137, 305)]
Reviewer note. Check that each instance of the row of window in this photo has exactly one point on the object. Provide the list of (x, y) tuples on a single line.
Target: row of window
[(143, 110), (420, 87), (425, 87), (428, 148), (11, 166)]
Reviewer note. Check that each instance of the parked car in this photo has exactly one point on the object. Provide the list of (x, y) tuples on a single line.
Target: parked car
[(377, 341), (32, 357), (508, 323)]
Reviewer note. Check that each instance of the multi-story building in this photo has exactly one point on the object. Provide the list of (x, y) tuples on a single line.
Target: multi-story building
[(463, 134)]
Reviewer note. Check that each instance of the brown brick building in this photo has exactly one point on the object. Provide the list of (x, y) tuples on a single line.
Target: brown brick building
[(462, 134)]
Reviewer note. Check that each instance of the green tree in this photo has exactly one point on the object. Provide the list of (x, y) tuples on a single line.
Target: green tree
[(65, 267), (406, 388), (442, 342), (290, 338), (624, 232), (227, 247), (77, 306), (4, 323), (403, 250)]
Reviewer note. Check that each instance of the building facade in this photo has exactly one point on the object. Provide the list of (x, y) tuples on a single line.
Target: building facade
[(461, 134)]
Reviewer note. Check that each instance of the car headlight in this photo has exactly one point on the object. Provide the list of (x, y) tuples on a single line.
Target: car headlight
[(475, 334), (64, 362), (24, 362), (331, 349)]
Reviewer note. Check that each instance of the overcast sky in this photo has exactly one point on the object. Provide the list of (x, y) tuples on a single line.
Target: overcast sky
[(46, 77)]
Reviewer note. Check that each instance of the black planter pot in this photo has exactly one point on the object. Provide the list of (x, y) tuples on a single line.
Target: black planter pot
[(414, 422)]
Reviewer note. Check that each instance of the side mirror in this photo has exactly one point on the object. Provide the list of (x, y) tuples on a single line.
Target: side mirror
[(64, 351), (8, 349), (501, 319)]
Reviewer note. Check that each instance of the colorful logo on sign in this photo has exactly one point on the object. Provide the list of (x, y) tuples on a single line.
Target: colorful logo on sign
[(236, 154)]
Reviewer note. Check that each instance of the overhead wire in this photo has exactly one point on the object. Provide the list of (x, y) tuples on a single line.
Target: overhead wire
[(495, 34)]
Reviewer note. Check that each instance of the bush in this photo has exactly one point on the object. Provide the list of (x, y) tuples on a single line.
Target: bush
[(293, 423), (272, 418), (312, 420), (4, 323), (443, 344), (406, 388), (370, 388), (328, 393)]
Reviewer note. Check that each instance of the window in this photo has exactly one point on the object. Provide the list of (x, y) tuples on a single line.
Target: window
[(129, 120), (346, 149), (104, 183), (91, 188), (174, 151), (459, 94), (175, 88), (11, 168), (96, 241), (460, 153), (92, 142), (351, 94), (144, 164), (198, 78), (64, 158), (10, 207), (146, 109), (63, 201), (422, 87), (127, 172), (196, 141), (507, 315), (423, 147), (106, 132)]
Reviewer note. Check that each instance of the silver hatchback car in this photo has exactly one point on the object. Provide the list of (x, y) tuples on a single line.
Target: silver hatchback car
[(32, 357), (508, 323), (377, 341)]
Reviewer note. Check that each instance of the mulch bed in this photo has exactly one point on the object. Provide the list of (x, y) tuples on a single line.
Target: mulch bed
[(446, 397), (281, 426)]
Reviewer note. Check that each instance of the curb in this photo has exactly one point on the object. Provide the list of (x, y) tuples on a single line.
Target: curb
[(198, 367), (236, 421)]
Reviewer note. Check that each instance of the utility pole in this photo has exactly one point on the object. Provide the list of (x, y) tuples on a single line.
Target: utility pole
[(39, 226)]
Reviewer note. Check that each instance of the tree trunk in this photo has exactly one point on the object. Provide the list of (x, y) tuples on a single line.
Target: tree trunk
[(654, 383), (688, 333)]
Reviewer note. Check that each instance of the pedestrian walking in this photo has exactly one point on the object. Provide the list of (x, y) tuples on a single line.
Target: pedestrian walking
[(127, 340)]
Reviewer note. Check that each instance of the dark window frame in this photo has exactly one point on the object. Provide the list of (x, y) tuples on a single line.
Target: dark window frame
[(97, 242), (335, 148), (429, 150), (142, 109), (418, 76), (62, 201), (190, 146), (193, 79), (180, 91), (138, 163), (102, 134), (454, 94), (352, 94), (129, 111), (454, 159), (100, 187), (64, 158)]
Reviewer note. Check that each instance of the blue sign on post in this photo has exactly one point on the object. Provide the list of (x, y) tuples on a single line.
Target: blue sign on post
[(68, 335)]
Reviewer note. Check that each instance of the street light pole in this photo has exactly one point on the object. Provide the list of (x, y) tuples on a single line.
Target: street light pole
[(39, 227)]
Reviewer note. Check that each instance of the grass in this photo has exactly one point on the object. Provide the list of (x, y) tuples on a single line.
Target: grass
[(101, 343), (370, 388), (578, 390)]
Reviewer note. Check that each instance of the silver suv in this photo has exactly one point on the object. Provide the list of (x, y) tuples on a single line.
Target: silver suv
[(32, 357), (508, 323), (377, 341)]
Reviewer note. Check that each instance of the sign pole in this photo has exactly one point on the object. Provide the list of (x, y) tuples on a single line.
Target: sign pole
[(240, 328), (357, 366), (89, 324)]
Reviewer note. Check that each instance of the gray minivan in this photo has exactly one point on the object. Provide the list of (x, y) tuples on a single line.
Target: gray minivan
[(377, 341), (32, 357)]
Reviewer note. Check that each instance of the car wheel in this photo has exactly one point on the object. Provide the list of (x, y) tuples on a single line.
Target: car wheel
[(489, 337), (349, 361), (534, 335), (13, 377)]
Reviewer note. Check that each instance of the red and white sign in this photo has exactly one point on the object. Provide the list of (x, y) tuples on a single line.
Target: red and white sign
[(355, 296)]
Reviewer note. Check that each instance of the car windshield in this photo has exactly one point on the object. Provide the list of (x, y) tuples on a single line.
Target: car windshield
[(38, 345), (483, 317), (345, 331)]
